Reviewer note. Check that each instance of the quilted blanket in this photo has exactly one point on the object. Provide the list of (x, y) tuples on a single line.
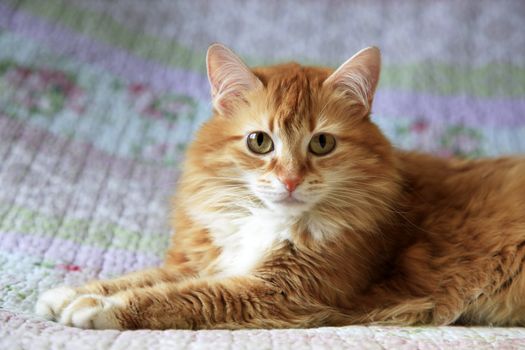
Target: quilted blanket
[(98, 100)]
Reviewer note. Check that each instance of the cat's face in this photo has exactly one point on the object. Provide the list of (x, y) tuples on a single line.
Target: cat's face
[(294, 139), (294, 152), (290, 179)]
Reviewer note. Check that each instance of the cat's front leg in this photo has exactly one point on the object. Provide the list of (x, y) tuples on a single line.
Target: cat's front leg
[(244, 302), (53, 302)]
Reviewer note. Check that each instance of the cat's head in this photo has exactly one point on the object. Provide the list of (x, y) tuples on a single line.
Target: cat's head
[(297, 140)]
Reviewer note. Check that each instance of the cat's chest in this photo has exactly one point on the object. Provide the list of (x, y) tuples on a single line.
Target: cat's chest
[(247, 241)]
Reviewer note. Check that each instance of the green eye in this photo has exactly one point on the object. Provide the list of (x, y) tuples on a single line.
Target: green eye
[(260, 142), (322, 144)]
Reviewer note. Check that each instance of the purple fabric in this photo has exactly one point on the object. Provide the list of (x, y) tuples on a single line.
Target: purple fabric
[(467, 110), (80, 254), (117, 61)]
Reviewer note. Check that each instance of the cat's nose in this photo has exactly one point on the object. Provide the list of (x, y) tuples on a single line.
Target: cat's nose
[(291, 182)]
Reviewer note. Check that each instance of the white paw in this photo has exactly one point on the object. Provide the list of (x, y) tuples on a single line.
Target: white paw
[(92, 311), (51, 303)]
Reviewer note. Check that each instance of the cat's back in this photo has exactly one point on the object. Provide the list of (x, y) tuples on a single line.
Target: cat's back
[(462, 180), (475, 197)]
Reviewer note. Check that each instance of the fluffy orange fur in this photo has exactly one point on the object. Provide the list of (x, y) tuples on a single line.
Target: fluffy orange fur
[(372, 234)]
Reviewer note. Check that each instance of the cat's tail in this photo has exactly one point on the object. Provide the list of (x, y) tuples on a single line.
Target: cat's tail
[(416, 311)]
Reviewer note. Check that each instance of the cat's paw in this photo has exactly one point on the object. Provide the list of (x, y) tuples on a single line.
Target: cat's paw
[(92, 311), (51, 303)]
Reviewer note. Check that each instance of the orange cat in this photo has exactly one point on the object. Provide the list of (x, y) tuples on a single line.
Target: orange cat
[(293, 210)]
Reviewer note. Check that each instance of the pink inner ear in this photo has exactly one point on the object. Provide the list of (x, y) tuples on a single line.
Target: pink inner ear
[(359, 75), (229, 77), (225, 103)]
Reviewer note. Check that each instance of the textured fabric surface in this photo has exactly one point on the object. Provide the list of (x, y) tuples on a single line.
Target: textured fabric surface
[(98, 100)]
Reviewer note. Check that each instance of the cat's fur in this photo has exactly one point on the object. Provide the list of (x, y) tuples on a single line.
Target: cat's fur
[(380, 235)]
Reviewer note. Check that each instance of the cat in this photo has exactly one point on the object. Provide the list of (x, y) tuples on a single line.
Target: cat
[(294, 210)]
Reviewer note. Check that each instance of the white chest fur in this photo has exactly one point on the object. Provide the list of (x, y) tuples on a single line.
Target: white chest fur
[(246, 241)]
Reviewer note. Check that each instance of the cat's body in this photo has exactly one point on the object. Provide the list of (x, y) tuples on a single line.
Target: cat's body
[(293, 210)]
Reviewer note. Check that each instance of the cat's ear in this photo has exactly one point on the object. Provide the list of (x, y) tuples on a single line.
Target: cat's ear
[(229, 77), (357, 78)]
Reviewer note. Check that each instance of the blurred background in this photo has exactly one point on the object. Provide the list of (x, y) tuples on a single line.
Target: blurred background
[(99, 98), (453, 79)]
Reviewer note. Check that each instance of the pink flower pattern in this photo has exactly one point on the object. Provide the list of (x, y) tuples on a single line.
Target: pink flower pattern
[(43, 90)]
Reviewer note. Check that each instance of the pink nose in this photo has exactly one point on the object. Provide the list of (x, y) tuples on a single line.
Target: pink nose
[(291, 183)]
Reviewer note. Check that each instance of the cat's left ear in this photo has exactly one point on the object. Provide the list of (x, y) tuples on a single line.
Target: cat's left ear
[(230, 78), (357, 78)]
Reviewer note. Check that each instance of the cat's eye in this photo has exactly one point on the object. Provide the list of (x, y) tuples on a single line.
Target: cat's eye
[(260, 142), (322, 144)]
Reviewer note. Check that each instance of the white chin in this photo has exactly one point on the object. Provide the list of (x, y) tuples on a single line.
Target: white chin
[(289, 201), (288, 206)]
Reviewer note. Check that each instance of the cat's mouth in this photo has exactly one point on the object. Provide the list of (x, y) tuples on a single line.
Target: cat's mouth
[(286, 201), (290, 200)]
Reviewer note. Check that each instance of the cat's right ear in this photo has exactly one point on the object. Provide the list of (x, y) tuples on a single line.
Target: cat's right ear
[(230, 78)]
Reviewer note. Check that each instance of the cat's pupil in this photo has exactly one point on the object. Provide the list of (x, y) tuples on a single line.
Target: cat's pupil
[(322, 140), (260, 138)]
